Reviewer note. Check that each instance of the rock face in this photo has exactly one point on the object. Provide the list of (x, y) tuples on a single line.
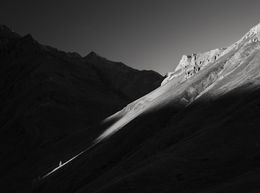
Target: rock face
[(51, 103), (199, 60), (191, 64)]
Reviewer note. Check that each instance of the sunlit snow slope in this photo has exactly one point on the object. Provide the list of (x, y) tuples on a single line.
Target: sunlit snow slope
[(237, 65), (197, 132)]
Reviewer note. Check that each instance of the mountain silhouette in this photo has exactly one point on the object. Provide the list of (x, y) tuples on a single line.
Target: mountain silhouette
[(88, 125), (50, 103)]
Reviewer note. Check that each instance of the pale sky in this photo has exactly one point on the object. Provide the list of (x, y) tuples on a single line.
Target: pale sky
[(144, 34)]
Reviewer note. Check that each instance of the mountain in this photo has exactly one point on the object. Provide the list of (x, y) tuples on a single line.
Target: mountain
[(197, 132), (52, 103), (128, 82)]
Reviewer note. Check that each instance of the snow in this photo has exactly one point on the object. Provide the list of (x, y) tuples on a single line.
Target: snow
[(160, 97)]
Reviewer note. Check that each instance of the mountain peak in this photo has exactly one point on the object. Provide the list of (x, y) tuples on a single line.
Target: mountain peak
[(6, 32), (191, 64), (254, 31), (93, 57), (4, 28), (93, 54)]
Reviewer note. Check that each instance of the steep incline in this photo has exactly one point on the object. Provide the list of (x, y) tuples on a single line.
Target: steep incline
[(51, 104), (197, 133), (220, 71)]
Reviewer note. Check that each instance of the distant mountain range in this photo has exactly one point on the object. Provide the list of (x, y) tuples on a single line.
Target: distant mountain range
[(88, 125)]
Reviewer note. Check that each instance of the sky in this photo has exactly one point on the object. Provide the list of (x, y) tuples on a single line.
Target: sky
[(144, 34)]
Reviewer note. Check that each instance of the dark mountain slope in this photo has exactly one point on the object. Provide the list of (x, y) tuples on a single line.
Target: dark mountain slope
[(50, 104), (197, 151), (205, 146), (127, 81), (198, 132)]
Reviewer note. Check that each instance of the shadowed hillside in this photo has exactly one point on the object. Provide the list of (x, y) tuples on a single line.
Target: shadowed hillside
[(88, 125), (198, 132), (51, 102)]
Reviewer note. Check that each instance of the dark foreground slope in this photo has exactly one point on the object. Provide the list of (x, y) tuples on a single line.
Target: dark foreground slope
[(50, 104), (199, 132), (211, 146)]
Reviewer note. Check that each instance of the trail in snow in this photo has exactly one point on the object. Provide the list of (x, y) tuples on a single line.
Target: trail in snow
[(68, 161), (157, 98), (129, 116), (126, 115)]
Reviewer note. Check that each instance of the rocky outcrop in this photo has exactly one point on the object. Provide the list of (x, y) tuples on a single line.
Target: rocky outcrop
[(199, 60), (191, 64)]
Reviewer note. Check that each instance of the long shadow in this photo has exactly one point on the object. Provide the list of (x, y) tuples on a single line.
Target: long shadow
[(126, 147)]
